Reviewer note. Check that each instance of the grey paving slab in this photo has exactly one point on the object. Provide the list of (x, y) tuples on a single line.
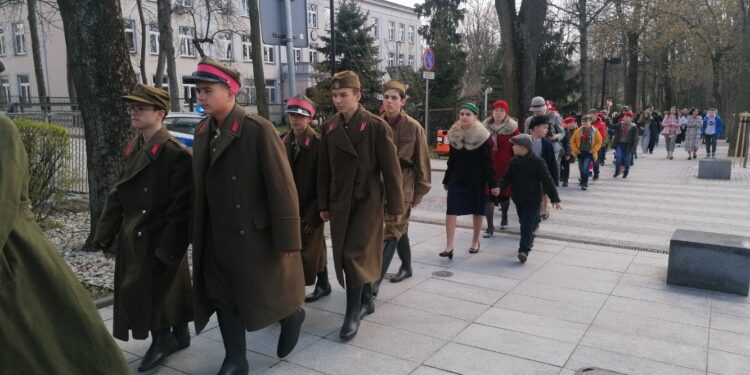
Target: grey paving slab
[(266, 340), (591, 357), (652, 328), (695, 315), (482, 280), (468, 360), (656, 282), (212, 324), (442, 305), (286, 368), (643, 347), (594, 259), (731, 342), (106, 313), (130, 357), (551, 309), (395, 342), (667, 294), (418, 321), (647, 270), (448, 288), (331, 357), (205, 357), (577, 272), (561, 294), (505, 265), (730, 307), (426, 370), (724, 363), (320, 322), (731, 323), (518, 344), (161, 370), (533, 324)]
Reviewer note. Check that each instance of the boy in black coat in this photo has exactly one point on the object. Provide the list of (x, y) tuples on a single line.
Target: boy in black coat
[(544, 149), (528, 178)]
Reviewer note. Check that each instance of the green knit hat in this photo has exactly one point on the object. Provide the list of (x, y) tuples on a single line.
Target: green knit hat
[(471, 107)]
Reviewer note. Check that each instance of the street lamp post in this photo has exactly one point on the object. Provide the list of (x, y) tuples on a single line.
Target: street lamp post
[(614, 60)]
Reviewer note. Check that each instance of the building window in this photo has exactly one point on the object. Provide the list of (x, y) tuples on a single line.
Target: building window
[(411, 34), (297, 55), (271, 90), (247, 48), (24, 88), (411, 61), (184, 3), (313, 56), (2, 41), (400, 59), (401, 28), (130, 34), (312, 16), (187, 49), (248, 92), (188, 92), (225, 46), (391, 30), (391, 57), (19, 38), (245, 8), (376, 27), (268, 55), (4, 91), (153, 38), (327, 18)]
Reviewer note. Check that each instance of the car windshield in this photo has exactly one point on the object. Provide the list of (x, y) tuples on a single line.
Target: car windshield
[(184, 125)]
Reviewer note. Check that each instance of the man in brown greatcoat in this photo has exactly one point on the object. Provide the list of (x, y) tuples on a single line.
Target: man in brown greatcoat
[(414, 157), (302, 145), (246, 261), (358, 164), (148, 210)]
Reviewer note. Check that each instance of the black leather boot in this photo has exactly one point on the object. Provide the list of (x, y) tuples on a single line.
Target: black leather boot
[(368, 302), (182, 335), (404, 252), (163, 344), (322, 287), (290, 327), (351, 319), (389, 248), (233, 334)]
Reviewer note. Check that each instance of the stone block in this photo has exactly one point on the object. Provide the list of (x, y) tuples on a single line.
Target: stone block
[(715, 169), (711, 261)]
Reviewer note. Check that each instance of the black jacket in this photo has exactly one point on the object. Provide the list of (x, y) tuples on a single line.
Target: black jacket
[(527, 177), (548, 156), (470, 167)]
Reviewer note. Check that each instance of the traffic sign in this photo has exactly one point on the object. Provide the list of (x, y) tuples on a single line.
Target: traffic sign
[(273, 25), (428, 75), (428, 60)]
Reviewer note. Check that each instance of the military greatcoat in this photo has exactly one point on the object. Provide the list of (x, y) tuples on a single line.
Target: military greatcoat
[(359, 172), (148, 209), (48, 324), (245, 214), (303, 158)]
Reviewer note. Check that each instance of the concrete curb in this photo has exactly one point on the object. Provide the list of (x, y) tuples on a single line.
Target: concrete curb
[(104, 302)]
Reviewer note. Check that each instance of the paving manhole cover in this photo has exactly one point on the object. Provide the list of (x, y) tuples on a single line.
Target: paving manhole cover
[(596, 371), (442, 274)]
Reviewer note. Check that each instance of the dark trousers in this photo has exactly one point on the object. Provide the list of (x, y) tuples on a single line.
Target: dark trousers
[(710, 144), (652, 138), (584, 159), (564, 170), (622, 157), (600, 159), (528, 215)]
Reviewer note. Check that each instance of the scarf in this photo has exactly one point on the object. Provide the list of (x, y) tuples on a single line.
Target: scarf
[(587, 139)]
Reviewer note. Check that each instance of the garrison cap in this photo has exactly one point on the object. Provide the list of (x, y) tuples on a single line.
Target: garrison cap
[(150, 95), (301, 105), (210, 70), (395, 85), (345, 80)]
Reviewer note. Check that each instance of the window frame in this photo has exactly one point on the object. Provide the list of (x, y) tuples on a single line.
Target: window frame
[(226, 53), (187, 39), (271, 91), (247, 48), (391, 30), (156, 34), (313, 15), (269, 55), (3, 52), (24, 88), (19, 49)]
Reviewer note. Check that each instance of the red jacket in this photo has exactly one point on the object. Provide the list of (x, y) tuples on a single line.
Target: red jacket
[(601, 127), (501, 152)]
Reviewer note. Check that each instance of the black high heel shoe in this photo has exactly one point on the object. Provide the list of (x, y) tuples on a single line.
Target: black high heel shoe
[(473, 250), (447, 253)]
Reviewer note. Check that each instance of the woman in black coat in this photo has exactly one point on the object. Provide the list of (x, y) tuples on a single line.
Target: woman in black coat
[(469, 173)]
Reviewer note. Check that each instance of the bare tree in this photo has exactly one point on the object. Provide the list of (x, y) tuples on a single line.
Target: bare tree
[(100, 66), (261, 97), (36, 54), (167, 54), (144, 32), (481, 36)]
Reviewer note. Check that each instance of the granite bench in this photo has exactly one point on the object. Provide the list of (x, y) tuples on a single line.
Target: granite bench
[(712, 261), (715, 169)]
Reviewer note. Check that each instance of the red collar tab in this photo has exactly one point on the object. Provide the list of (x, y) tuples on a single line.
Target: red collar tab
[(362, 126), (330, 127), (128, 150), (203, 128), (155, 149), (307, 142), (235, 126)]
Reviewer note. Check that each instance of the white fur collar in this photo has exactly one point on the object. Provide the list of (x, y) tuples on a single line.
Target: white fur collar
[(507, 127), (470, 138)]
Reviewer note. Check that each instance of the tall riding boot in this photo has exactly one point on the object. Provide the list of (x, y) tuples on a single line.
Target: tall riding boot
[(162, 345), (389, 248), (404, 253), (351, 319), (233, 334), (489, 215), (290, 327), (368, 303), (182, 335), (322, 287), (504, 206)]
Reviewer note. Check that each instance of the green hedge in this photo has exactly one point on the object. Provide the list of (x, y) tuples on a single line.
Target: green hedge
[(48, 147)]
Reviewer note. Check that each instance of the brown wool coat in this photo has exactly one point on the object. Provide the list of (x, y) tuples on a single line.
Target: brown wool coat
[(245, 195), (48, 324), (414, 157), (358, 173), (305, 170), (148, 209)]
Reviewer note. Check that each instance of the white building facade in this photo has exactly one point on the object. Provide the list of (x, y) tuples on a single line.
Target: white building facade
[(395, 30)]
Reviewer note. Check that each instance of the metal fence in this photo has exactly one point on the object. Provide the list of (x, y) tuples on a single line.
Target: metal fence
[(73, 122)]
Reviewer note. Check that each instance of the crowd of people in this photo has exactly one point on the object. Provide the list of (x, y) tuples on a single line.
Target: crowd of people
[(254, 206)]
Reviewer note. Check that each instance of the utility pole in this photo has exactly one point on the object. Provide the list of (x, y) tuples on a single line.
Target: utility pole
[(333, 38), (290, 63)]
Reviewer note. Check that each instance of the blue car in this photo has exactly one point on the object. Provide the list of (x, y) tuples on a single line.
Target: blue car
[(182, 125)]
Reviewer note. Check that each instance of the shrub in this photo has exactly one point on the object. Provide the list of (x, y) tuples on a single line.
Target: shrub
[(48, 147)]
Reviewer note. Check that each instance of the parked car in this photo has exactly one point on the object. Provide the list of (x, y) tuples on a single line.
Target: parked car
[(182, 125)]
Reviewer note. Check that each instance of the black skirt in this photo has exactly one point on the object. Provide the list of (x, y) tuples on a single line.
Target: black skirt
[(466, 200)]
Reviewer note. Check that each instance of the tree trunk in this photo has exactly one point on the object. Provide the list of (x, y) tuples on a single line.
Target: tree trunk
[(100, 65), (166, 46), (668, 91), (159, 73), (506, 14), (631, 79), (583, 30), (144, 32), (36, 52), (261, 97)]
